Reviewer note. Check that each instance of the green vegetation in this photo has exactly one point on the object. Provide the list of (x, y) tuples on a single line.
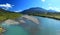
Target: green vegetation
[(4, 15), (48, 14)]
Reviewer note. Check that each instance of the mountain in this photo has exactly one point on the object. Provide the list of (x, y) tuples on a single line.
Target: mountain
[(4, 15), (42, 12), (34, 10), (38, 10)]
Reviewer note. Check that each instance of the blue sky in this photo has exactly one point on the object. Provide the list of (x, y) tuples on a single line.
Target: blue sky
[(20, 5)]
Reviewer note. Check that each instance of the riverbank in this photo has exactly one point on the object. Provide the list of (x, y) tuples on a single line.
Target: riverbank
[(2, 30), (53, 16), (5, 15), (21, 20)]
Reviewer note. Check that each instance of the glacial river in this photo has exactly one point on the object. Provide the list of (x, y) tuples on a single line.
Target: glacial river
[(47, 26)]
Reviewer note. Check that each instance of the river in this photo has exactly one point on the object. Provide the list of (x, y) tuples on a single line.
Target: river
[(46, 26)]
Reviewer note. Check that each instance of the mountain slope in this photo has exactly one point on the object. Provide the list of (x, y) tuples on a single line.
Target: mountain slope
[(42, 12), (35, 10), (38, 10), (4, 15)]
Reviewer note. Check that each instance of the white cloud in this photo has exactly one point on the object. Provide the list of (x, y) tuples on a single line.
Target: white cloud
[(51, 8), (18, 11), (54, 8), (6, 6), (43, 0)]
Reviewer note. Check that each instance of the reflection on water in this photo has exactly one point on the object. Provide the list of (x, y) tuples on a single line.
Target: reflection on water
[(50, 26), (46, 26)]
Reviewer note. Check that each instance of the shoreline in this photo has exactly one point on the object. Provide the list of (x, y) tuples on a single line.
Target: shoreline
[(2, 30), (56, 18)]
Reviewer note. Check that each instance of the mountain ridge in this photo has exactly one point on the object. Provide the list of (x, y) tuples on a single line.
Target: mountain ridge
[(42, 12), (37, 10)]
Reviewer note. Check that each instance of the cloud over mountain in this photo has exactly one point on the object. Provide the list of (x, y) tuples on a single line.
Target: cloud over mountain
[(6, 6)]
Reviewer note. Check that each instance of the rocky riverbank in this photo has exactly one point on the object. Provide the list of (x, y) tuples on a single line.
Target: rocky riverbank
[(2, 30)]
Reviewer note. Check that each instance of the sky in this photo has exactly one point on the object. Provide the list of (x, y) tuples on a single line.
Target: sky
[(20, 5)]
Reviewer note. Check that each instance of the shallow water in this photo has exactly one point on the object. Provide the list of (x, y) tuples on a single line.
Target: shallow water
[(15, 30), (47, 26)]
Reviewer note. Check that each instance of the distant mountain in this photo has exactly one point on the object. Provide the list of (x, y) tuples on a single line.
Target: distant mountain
[(37, 10), (34, 10), (3, 10)]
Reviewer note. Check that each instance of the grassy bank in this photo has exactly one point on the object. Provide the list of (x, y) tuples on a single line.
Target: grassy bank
[(54, 16), (9, 15)]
